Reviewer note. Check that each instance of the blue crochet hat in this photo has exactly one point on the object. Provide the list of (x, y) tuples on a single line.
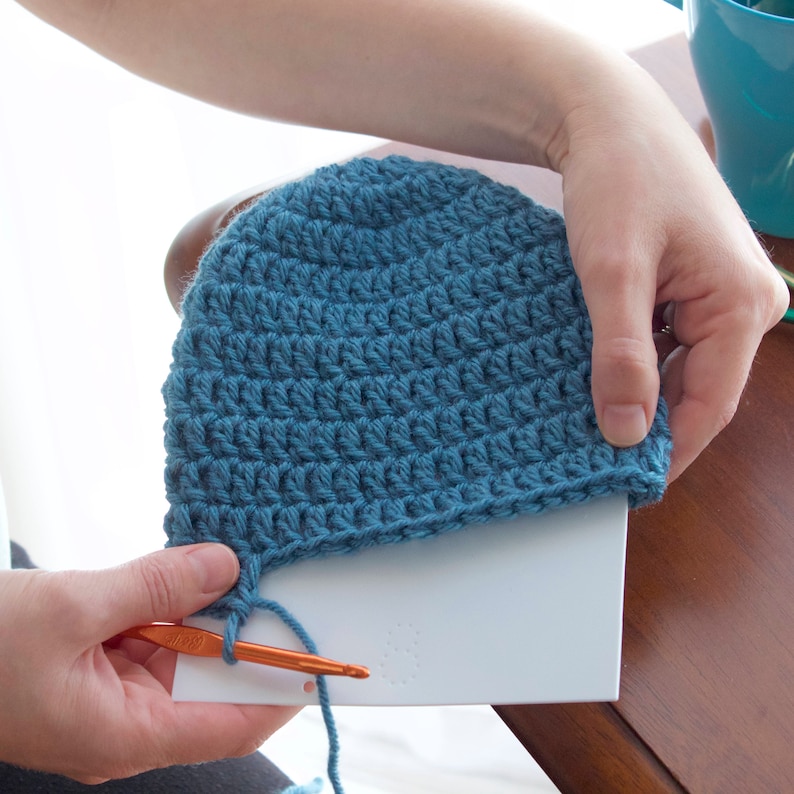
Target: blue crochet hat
[(385, 350)]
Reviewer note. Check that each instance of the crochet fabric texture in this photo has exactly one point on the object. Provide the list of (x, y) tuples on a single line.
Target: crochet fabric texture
[(385, 350)]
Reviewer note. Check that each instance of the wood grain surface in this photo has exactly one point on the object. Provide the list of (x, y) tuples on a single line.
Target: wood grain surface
[(707, 695)]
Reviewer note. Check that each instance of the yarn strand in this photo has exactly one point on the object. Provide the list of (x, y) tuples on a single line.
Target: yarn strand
[(231, 635)]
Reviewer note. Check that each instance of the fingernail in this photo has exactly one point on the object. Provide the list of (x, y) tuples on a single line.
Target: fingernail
[(215, 565), (624, 425)]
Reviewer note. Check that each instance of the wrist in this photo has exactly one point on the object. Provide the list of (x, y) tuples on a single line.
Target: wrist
[(602, 97)]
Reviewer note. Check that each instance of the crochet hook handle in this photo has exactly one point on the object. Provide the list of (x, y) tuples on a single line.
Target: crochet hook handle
[(200, 642)]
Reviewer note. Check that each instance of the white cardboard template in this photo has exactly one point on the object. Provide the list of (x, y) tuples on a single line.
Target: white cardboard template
[(521, 611)]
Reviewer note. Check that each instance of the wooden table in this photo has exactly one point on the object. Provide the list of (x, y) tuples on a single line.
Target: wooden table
[(707, 696), (707, 693)]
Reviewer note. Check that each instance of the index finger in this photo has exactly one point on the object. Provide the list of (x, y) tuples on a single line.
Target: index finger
[(703, 385)]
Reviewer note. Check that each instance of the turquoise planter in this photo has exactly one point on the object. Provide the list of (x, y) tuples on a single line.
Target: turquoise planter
[(744, 61)]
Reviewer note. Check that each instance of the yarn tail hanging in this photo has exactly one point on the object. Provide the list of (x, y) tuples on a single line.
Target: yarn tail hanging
[(231, 634)]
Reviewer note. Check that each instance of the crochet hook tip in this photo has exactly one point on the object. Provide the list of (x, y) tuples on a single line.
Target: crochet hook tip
[(356, 671)]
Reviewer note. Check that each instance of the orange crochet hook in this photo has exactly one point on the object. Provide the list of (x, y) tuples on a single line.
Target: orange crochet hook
[(200, 642)]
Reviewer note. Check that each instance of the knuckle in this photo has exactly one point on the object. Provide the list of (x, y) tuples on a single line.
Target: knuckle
[(607, 266), (766, 292), (714, 419), (624, 349), (624, 359), (763, 303), (725, 415), (159, 580)]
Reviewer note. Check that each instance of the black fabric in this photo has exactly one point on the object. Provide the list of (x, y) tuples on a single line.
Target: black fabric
[(253, 774), (19, 557)]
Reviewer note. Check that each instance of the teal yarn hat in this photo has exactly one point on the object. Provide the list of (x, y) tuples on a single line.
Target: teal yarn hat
[(383, 351)]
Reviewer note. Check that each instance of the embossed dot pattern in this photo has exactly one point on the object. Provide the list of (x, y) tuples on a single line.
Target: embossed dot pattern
[(399, 664)]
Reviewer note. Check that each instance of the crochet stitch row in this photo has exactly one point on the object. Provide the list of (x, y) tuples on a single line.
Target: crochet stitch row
[(385, 350)]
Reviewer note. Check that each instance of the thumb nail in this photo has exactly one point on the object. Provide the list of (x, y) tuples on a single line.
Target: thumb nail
[(624, 425), (215, 565)]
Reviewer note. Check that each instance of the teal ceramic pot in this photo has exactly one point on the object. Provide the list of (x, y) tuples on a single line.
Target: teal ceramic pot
[(744, 61)]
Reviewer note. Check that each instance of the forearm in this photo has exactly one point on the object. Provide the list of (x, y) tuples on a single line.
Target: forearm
[(492, 79)]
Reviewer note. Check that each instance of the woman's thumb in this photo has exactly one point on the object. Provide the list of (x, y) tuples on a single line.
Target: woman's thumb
[(625, 376), (164, 586)]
